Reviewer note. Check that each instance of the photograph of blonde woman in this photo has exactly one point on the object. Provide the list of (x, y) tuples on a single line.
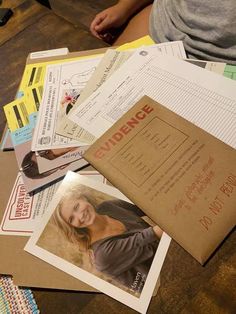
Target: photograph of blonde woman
[(108, 235)]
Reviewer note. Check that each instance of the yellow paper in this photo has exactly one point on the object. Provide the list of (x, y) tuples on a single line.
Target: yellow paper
[(33, 75), (143, 41), (33, 96), (17, 112)]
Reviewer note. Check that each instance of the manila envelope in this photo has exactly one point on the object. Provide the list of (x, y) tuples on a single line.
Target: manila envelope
[(183, 178)]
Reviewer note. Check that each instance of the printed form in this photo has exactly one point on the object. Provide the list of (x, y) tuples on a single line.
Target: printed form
[(200, 96), (62, 87)]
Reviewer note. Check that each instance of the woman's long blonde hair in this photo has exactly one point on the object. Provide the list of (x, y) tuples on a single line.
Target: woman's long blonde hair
[(75, 235)]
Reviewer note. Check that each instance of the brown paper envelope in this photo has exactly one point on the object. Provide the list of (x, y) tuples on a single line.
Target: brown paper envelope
[(183, 178)]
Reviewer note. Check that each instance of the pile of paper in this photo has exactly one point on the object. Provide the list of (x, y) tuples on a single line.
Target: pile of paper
[(92, 109)]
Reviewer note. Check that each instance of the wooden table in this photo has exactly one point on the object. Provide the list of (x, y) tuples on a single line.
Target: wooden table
[(186, 287)]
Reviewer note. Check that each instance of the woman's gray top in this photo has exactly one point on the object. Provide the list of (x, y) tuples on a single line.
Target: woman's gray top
[(126, 257), (207, 27)]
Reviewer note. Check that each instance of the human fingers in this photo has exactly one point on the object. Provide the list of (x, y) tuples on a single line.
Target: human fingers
[(104, 24), (95, 23)]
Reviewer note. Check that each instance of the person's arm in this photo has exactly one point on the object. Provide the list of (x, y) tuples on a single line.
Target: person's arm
[(123, 252), (116, 16)]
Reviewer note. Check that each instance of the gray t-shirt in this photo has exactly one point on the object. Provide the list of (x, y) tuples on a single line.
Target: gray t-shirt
[(126, 257), (207, 27)]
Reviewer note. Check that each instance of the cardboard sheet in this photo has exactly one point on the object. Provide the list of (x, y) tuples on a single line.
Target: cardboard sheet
[(25, 268)]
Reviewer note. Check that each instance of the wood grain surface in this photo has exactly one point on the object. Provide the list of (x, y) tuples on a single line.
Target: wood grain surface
[(186, 286), (80, 11)]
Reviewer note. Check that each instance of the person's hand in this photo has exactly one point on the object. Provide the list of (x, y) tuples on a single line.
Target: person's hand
[(111, 18)]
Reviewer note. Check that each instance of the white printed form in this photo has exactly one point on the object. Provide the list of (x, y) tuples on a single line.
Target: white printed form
[(24, 211), (172, 49), (204, 98), (62, 87)]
